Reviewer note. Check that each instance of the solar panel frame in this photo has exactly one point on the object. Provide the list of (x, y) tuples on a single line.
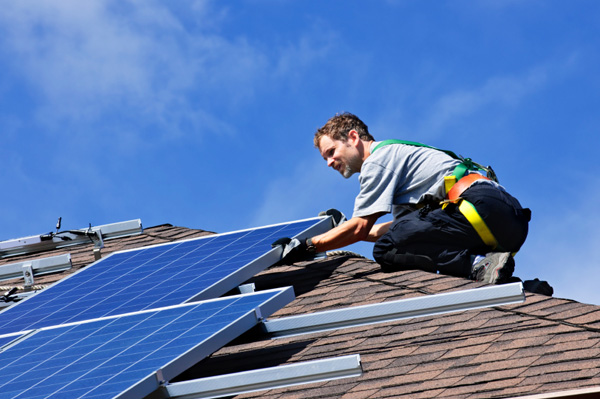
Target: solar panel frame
[(127, 356), (85, 293), (8, 340)]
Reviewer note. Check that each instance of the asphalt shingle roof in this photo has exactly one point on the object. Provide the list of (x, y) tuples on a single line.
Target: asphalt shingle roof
[(540, 346), (543, 345)]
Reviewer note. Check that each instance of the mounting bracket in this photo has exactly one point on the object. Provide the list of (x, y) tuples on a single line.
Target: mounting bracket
[(27, 276)]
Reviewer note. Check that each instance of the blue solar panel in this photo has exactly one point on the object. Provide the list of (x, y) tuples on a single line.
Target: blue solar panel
[(7, 339), (156, 276), (120, 355)]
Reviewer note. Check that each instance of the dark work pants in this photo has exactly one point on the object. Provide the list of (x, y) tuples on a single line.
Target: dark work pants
[(446, 240)]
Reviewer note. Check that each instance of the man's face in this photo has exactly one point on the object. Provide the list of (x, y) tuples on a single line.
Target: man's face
[(341, 156)]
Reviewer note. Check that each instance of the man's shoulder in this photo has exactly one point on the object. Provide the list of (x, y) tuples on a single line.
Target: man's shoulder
[(392, 146), (383, 154), (392, 151)]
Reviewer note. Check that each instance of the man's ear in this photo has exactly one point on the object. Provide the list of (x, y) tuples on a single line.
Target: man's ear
[(353, 137)]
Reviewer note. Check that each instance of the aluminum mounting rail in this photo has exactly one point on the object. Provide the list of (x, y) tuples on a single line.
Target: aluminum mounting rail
[(429, 305), (51, 264), (45, 242), (267, 378)]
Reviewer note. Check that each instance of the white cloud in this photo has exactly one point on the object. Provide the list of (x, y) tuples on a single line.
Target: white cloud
[(77, 51), (110, 84), (313, 46), (497, 91), (436, 107), (89, 59)]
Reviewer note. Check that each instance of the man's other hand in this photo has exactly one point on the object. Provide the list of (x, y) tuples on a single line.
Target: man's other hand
[(336, 216), (294, 250)]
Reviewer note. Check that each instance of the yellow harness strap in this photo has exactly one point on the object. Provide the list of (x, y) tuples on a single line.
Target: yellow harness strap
[(449, 182), (469, 212), (453, 191)]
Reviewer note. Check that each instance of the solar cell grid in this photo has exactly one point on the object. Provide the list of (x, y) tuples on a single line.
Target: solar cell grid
[(156, 276), (5, 340), (106, 357)]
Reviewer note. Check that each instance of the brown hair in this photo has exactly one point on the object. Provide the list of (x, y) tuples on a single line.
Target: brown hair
[(337, 128)]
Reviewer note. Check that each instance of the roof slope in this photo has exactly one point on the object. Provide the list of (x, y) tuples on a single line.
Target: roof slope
[(543, 345)]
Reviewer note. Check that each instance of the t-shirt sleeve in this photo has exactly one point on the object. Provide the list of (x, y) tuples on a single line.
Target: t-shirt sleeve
[(376, 195)]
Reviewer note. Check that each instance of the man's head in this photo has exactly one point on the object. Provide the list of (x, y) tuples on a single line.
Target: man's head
[(337, 128), (341, 142)]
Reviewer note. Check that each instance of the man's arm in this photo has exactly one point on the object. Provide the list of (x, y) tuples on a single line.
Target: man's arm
[(377, 231), (350, 232)]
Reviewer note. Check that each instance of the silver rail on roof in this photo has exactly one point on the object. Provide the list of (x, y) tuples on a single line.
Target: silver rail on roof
[(389, 311), (51, 264), (267, 378), (95, 234)]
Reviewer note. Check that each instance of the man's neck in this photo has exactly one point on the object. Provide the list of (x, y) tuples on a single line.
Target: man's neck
[(368, 145)]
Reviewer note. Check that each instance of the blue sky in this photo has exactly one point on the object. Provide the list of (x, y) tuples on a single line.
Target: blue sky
[(201, 113)]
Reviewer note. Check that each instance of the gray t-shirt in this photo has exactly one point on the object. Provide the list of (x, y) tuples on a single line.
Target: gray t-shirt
[(399, 176)]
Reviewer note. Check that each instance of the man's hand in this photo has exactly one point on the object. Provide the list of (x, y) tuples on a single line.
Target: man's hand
[(336, 216), (294, 250)]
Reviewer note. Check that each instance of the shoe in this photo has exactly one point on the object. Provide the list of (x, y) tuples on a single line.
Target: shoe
[(538, 286), (495, 268)]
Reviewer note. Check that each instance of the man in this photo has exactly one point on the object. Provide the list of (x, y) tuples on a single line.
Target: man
[(434, 228)]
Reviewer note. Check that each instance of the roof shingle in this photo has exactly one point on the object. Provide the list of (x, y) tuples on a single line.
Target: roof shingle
[(542, 345)]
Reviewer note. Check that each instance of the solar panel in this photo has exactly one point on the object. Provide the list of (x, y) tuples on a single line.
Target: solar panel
[(125, 356), (156, 276), (7, 339)]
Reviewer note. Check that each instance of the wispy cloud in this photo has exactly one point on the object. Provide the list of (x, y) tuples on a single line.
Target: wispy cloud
[(85, 60), (307, 190), (313, 46), (497, 91), (79, 53), (440, 105), (108, 87)]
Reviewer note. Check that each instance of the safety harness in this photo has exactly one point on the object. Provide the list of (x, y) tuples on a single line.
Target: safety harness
[(456, 183)]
